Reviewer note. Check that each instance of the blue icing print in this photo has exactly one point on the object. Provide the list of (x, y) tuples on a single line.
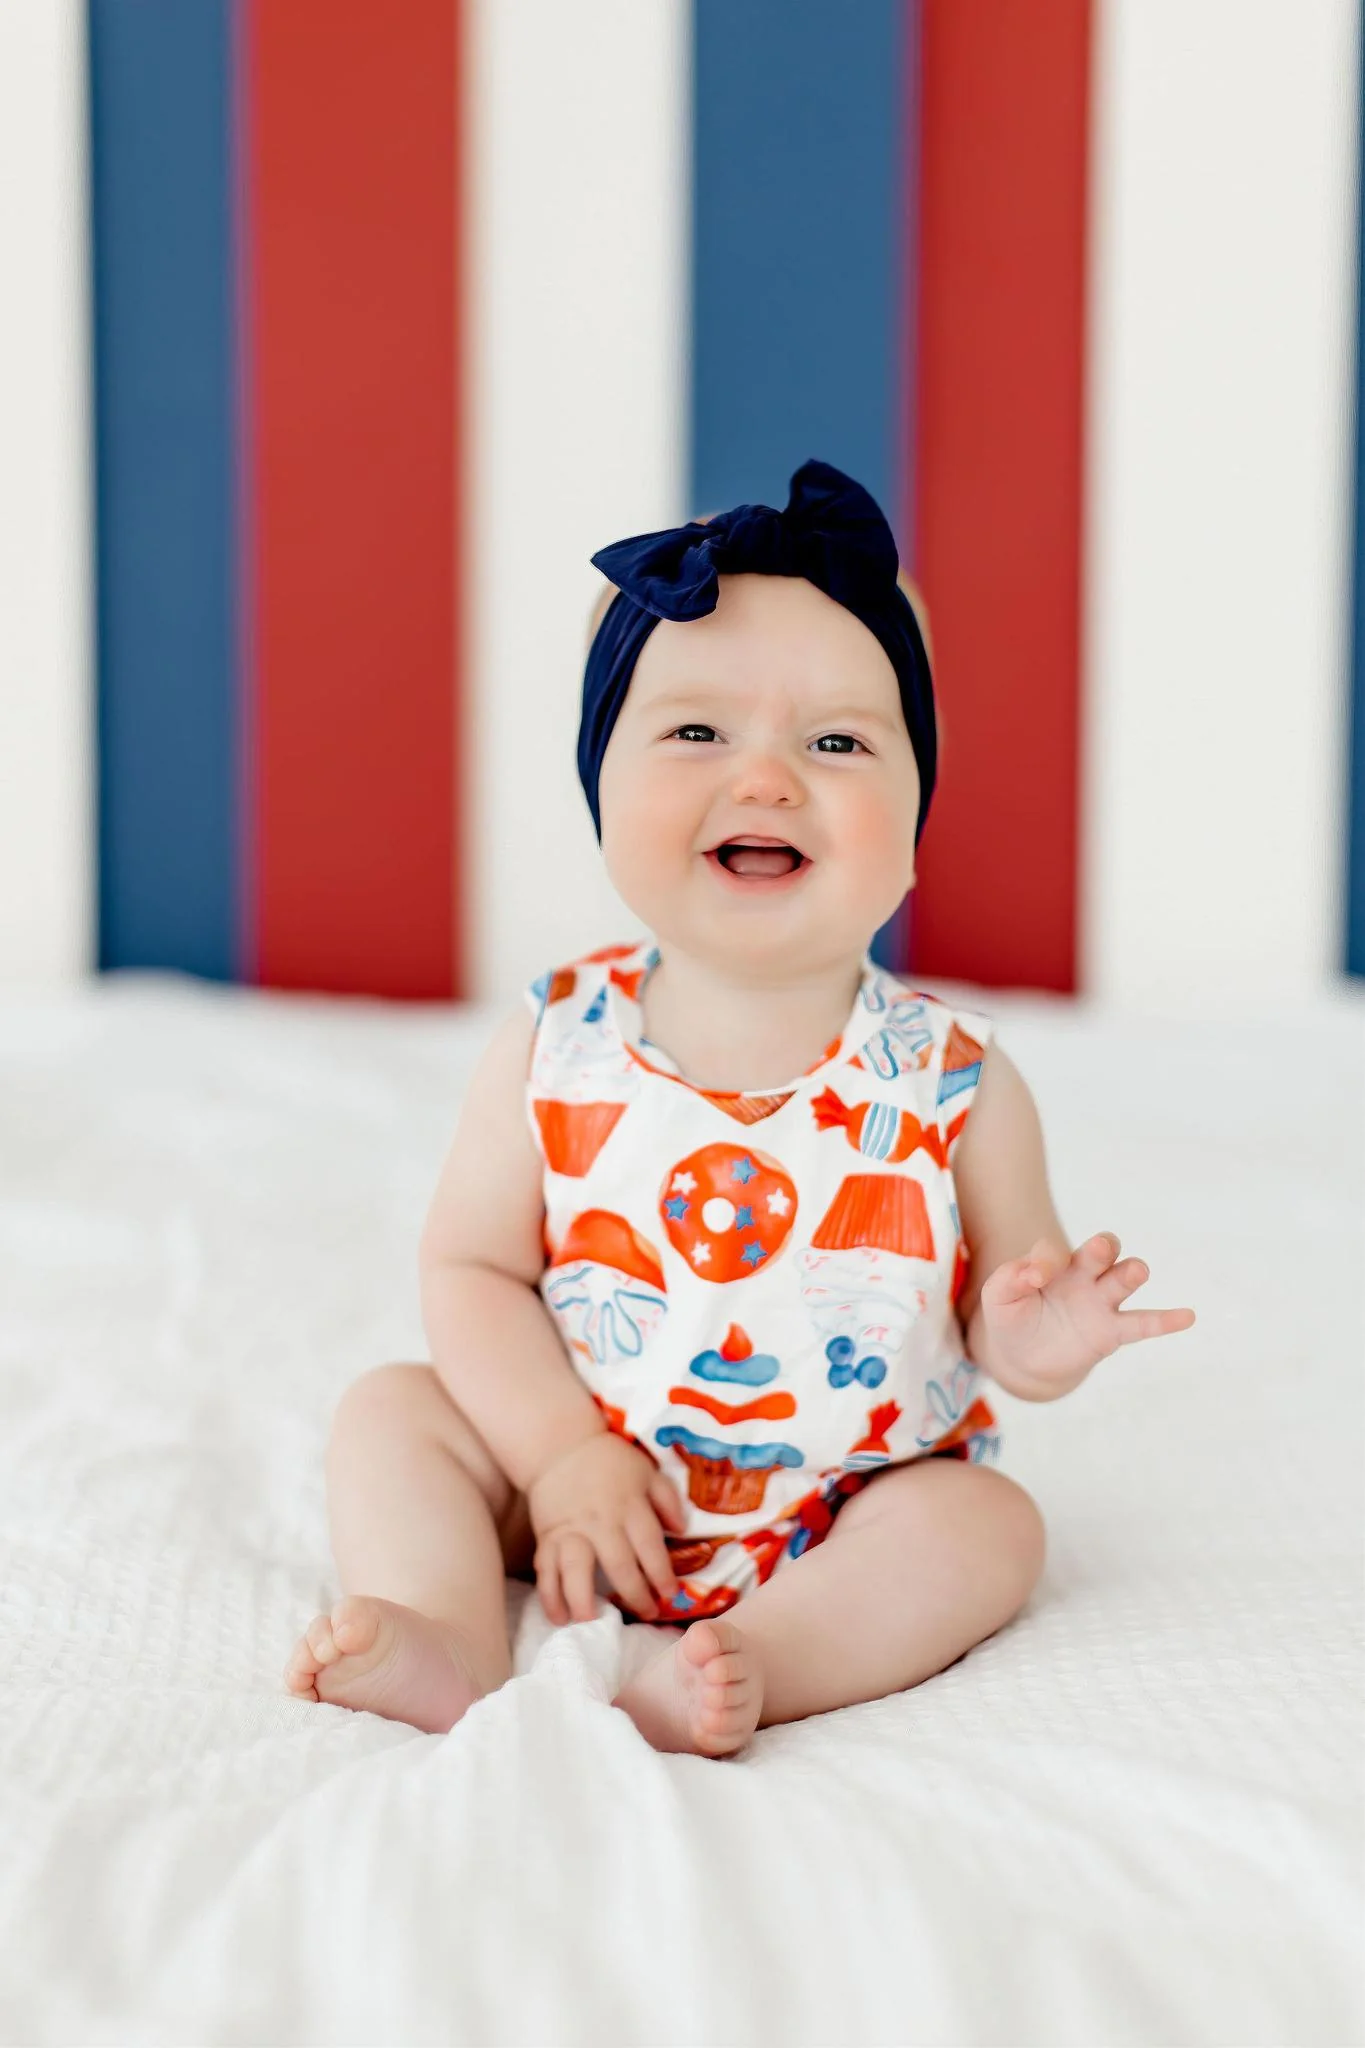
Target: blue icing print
[(596, 1009), (754, 1371), (752, 1253), (676, 1207), (743, 1170), (744, 1218), (869, 1371), (745, 1457)]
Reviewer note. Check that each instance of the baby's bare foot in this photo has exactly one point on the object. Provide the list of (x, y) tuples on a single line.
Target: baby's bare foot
[(705, 1693), (385, 1659)]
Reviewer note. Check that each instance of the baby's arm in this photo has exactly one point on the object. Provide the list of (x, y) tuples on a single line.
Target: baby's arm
[(1037, 1315), (492, 1340), (1003, 1198)]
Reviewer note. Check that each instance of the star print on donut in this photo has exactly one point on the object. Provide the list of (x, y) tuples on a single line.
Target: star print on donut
[(728, 1210)]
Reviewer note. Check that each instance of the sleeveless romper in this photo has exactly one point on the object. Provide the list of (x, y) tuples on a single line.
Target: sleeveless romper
[(757, 1288)]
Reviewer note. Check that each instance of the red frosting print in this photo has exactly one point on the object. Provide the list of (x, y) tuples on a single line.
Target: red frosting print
[(767, 1408), (728, 1209)]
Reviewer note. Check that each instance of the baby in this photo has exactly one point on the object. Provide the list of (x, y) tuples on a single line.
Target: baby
[(735, 1224)]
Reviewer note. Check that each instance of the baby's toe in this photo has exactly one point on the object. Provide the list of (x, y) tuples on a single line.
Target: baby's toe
[(302, 1668), (321, 1641), (355, 1624)]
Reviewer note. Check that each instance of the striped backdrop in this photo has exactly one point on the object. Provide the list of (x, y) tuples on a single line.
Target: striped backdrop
[(350, 333)]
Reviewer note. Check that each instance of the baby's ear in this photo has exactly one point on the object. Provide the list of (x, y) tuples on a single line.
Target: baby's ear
[(919, 608)]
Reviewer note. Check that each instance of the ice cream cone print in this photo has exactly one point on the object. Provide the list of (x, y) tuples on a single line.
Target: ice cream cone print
[(605, 1287)]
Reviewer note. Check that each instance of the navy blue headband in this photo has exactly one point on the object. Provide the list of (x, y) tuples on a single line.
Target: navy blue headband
[(832, 533)]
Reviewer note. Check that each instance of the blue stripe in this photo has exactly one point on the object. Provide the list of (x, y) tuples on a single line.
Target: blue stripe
[(797, 246), (160, 111), (1355, 824), (799, 251)]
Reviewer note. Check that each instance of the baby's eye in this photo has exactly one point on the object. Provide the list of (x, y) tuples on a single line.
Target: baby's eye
[(837, 743), (687, 732)]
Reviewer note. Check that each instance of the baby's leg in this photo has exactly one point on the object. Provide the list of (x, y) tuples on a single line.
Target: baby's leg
[(925, 1562), (424, 1525)]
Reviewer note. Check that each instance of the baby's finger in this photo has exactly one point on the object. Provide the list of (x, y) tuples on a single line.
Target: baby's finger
[(621, 1567), (642, 1526), (1098, 1253), (577, 1564), (1135, 1324), (667, 1503), (1014, 1281), (547, 1582), (1122, 1280)]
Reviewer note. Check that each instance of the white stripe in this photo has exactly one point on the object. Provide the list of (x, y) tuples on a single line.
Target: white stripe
[(1219, 439), (577, 122), (46, 694)]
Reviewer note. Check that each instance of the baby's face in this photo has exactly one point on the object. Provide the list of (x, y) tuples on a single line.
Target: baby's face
[(777, 718)]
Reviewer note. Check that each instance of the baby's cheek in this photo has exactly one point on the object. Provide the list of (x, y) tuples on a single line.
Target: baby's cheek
[(876, 840)]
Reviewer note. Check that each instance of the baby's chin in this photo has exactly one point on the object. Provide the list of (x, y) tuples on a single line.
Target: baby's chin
[(737, 934)]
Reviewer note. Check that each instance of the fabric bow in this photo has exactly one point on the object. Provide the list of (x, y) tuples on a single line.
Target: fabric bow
[(832, 532)]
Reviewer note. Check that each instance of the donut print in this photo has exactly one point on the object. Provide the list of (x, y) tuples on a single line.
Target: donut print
[(728, 1210)]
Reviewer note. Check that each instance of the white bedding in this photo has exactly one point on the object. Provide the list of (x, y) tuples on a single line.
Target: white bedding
[(1132, 1817)]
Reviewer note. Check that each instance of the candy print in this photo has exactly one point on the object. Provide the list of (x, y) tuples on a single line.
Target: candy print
[(573, 1133), (872, 1450), (727, 1211), (605, 1286), (878, 1129)]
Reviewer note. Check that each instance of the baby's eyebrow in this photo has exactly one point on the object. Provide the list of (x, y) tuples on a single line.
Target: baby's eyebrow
[(829, 715)]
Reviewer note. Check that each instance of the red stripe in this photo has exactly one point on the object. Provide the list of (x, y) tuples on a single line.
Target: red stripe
[(353, 334), (997, 467)]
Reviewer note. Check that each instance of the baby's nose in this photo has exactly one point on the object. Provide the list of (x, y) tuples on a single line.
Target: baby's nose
[(766, 777)]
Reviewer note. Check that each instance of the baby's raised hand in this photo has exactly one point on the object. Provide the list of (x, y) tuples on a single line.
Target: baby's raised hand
[(603, 1503), (1050, 1317)]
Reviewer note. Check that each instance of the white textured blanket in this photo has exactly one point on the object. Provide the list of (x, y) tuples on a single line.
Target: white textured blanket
[(1134, 1817)]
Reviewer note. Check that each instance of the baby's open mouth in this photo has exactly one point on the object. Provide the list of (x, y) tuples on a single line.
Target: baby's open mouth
[(760, 857)]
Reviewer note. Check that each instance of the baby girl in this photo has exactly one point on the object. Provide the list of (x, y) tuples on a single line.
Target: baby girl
[(736, 1224)]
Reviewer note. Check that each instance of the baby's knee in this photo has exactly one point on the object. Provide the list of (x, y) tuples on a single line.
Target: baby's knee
[(386, 1400)]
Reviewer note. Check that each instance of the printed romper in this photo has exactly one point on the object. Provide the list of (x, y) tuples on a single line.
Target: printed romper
[(758, 1289)]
